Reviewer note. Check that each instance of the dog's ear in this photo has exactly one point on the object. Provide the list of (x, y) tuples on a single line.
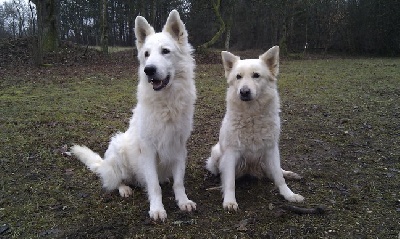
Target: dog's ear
[(271, 59), (228, 60), (175, 27), (142, 30)]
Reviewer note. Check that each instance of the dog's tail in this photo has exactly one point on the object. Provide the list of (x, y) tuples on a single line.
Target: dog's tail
[(91, 159), (213, 160), (107, 170)]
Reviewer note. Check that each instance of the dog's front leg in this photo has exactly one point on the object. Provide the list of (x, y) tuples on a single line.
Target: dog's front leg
[(274, 169), (147, 161), (157, 210), (227, 167), (179, 189)]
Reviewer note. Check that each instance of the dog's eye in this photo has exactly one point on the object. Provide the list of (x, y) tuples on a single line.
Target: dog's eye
[(165, 51), (256, 75), (238, 77), (146, 54)]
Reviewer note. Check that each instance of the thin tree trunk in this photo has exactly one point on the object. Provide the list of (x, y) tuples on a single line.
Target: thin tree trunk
[(153, 12), (227, 39), (104, 28), (217, 36), (32, 23), (229, 26)]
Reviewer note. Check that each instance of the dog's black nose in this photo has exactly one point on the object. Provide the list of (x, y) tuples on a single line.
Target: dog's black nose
[(245, 94), (150, 70), (245, 91)]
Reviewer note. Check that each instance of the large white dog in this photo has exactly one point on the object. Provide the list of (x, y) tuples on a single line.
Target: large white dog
[(153, 148), (249, 135)]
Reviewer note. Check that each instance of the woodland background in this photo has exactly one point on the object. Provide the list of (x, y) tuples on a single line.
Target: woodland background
[(321, 26)]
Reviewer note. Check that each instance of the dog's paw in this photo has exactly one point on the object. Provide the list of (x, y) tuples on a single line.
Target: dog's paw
[(158, 214), (230, 206), (125, 191), (295, 198), (188, 206)]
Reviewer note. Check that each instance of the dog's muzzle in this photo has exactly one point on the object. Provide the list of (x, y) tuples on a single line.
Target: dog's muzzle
[(158, 84), (245, 94)]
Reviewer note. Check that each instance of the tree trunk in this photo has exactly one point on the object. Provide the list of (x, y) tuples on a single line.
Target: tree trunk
[(47, 39), (104, 28), (217, 36), (47, 23), (153, 16), (21, 22), (33, 22), (229, 25), (228, 39)]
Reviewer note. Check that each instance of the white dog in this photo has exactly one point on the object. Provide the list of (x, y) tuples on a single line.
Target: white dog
[(153, 148), (249, 135)]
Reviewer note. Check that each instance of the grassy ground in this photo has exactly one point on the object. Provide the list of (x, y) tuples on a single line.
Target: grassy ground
[(340, 131)]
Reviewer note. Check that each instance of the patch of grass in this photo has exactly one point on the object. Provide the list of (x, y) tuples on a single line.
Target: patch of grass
[(340, 130)]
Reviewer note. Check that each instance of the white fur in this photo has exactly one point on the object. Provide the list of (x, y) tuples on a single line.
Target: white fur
[(249, 135), (153, 148)]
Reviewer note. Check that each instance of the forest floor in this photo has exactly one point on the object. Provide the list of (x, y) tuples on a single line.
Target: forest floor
[(340, 131)]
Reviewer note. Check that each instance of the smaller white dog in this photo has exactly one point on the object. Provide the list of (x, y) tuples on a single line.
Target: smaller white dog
[(249, 135)]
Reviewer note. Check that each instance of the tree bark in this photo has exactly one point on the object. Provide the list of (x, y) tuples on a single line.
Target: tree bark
[(229, 25), (104, 28), (217, 36), (47, 23), (47, 39)]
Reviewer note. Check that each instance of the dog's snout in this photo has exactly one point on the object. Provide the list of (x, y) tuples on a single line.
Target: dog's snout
[(150, 70), (245, 93)]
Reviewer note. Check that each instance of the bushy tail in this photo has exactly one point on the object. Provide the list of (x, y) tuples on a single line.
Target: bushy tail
[(108, 170), (91, 159), (213, 160)]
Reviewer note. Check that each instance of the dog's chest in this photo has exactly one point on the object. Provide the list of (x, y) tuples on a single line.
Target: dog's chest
[(253, 133), (171, 106), (254, 136), (175, 113), (166, 124), (169, 122)]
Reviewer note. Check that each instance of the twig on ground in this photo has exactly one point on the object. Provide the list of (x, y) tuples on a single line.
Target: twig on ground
[(320, 209), (214, 188)]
